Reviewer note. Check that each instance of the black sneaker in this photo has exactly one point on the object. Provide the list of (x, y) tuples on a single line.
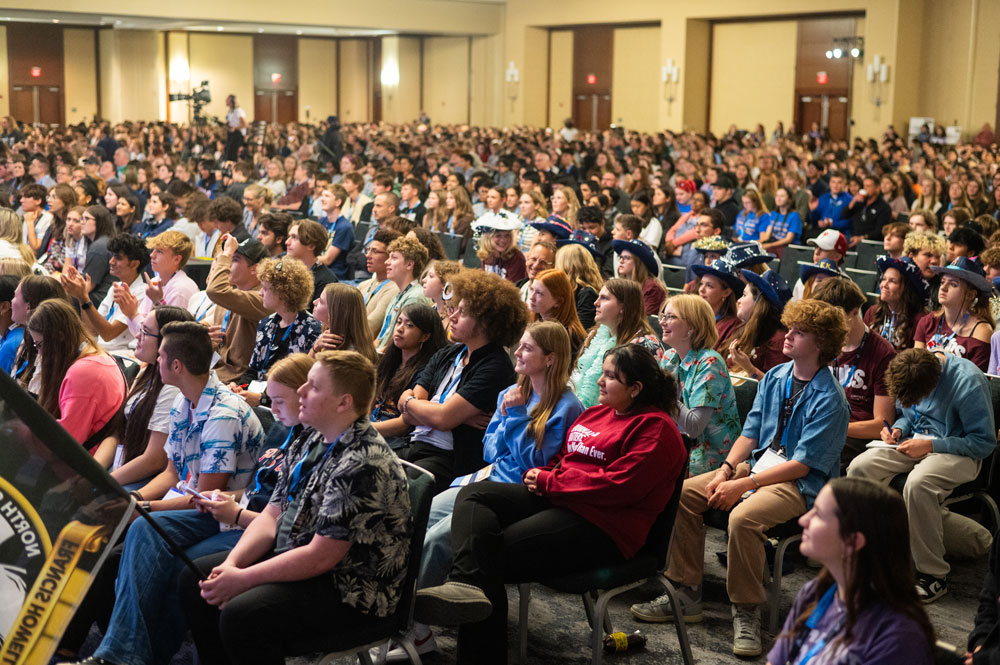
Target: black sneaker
[(931, 588)]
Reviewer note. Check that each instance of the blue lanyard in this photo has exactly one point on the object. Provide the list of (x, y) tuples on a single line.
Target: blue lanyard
[(938, 340), (888, 327), (821, 609), (457, 378), (297, 471), (267, 351), (225, 321), (850, 375), (389, 316), (200, 313), (369, 296), (451, 224), (256, 478), (111, 312)]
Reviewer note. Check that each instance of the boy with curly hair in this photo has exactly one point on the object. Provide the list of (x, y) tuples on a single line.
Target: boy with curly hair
[(456, 392), (790, 446), (403, 266)]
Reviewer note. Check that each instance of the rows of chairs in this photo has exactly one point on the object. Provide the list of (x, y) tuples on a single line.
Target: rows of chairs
[(861, 259)]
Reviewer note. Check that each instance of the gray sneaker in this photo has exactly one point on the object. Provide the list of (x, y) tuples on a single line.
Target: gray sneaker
[(746, 631), (659, 610)]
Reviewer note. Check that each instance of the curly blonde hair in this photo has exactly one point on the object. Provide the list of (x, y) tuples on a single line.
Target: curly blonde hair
[(290, 280), (822, 320), (494, 302), (919, 240)]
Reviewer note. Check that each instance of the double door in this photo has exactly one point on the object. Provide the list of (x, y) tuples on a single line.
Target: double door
[(37, 104)]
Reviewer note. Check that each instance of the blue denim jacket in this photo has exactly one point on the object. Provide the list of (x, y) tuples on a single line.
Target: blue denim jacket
[(817, 429)]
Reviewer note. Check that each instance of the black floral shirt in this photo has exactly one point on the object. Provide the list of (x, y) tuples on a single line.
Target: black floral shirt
[(356, 492), (274, 342)]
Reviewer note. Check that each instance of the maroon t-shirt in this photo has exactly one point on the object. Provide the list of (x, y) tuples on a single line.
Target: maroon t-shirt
[(513, 269), (769, 354), (653, 296), (862, 374), (726, 327), (934, 333), (897, 343)]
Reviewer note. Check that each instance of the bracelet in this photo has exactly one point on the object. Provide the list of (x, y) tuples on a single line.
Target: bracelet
[(135, 493), (754, 481), (407, 401), (731, 467), (236, 522), (145, 506)]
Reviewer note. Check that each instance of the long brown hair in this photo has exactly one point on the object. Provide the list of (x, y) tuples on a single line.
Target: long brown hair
[(911, 306), (565, 314), (134, 432), (634, 321), (973, 302), (764, 321), (882, 571), (35, 289), (392, 376), (349, 318), (65, 340), (551, 338)]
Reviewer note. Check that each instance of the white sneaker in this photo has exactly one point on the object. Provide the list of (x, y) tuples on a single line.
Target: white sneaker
[(423, 641)]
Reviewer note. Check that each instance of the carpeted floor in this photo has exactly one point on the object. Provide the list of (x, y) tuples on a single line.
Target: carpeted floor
[(559, 632)]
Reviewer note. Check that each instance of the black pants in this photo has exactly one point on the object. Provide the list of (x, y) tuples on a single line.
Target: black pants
[(438, 461), (234, 141), (501, 533), (268, 622)]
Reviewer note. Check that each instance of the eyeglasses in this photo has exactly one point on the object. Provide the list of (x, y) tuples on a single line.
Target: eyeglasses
[(145, 332), (370, 251), (667, 318)]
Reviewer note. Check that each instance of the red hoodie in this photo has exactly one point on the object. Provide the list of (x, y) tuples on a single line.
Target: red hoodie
[(617, 471)]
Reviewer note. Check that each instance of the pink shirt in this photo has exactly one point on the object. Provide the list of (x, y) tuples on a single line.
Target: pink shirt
[(177, 292), (90, 394)]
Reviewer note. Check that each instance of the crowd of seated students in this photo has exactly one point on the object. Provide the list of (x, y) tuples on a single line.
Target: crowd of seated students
[(545, 389)]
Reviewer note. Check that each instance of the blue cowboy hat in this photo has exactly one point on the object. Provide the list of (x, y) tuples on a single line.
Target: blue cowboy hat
[(584, 239), (772, 285), (967, 270), (720, 268), (825, 266), (910, 272), (640, 250), (747, 254), (556, 226)]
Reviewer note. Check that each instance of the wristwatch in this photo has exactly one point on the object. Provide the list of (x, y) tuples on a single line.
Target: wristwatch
[(85, 305)]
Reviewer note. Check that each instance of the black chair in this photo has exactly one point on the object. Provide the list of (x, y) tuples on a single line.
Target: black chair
[(851, 260), (867, 251), (866, 279), (746, 393), (789, 266), (597, 587), (673, 276), (786, 535), (361, 230), (654, 321), (470, 259), (399, 625), (197, 269), (452, 245)]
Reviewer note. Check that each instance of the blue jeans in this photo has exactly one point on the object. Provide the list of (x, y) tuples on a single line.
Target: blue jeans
[(435, 564), (147, 624)]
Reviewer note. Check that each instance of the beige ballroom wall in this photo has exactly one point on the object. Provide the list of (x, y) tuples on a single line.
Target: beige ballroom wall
[(4, 75), (355, 85), (446, 79), (226, 62), (636, 87), (80, 71), (560, 77), (317, 79), (752, 84)]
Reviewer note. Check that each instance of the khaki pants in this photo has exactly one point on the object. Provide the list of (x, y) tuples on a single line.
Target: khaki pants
[(748, 520), (931, 480)]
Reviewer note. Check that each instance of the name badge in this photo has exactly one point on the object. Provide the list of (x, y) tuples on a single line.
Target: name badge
[(769, 459)]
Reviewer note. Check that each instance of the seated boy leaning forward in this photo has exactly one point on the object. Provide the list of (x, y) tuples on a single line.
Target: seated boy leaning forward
[(943, 432), (789, 448), (329, 554)]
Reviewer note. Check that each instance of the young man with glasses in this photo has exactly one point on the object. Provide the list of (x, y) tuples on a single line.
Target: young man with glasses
[(378, 290)]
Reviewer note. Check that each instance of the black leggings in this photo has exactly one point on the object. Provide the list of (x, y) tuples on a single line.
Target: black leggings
[(268, 622), (500, 533), (438, 461)]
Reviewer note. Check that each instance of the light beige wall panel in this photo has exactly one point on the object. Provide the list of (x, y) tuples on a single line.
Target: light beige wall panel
[(4, 73), (752, 85), (487, 80), (80, 72), (401, 101), (560, 77), (226, 62), (178, 75), (636, 87), (110, 89), (317, 79), (689, 108), (355, 86), (446, 79)]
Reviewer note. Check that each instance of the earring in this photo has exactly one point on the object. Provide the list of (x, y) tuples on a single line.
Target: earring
[(689, 333), (975, 301)]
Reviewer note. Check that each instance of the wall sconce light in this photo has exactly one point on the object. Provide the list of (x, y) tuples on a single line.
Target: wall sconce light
[(877, 75), (670, 74), (513, 78), (390, 74)]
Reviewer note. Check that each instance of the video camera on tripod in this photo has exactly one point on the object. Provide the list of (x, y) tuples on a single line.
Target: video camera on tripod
[(198, 98)]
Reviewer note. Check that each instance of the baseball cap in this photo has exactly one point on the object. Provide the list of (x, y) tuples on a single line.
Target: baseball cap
[(253, 251), (830, 241), (687, 186)]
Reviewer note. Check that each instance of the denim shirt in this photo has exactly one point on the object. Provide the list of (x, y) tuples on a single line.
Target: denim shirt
[(816, 431)]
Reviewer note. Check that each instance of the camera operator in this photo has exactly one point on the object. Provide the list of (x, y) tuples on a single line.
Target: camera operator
[(236, 121)]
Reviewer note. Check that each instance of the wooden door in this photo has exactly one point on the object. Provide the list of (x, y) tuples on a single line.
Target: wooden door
[(592, 111), (288, 108), (22, 103), (263, 106), (50, 106)]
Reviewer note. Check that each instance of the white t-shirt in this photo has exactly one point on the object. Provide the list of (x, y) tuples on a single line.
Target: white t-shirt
[(159, 420), (112, 313), (233, 119)]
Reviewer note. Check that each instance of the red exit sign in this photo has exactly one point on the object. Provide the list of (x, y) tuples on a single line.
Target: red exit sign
[(36, 72), (591, 79), (822, 78)]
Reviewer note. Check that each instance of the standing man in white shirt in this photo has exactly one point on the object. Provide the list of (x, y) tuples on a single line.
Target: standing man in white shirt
[(236, 120)]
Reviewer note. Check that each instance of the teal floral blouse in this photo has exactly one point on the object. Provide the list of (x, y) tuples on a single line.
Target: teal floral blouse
[(704, 381)]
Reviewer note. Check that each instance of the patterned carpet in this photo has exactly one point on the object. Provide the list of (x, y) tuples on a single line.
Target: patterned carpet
[(559, 632)]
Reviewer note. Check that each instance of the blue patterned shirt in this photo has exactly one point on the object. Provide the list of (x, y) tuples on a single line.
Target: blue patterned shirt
[(221, 434)]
